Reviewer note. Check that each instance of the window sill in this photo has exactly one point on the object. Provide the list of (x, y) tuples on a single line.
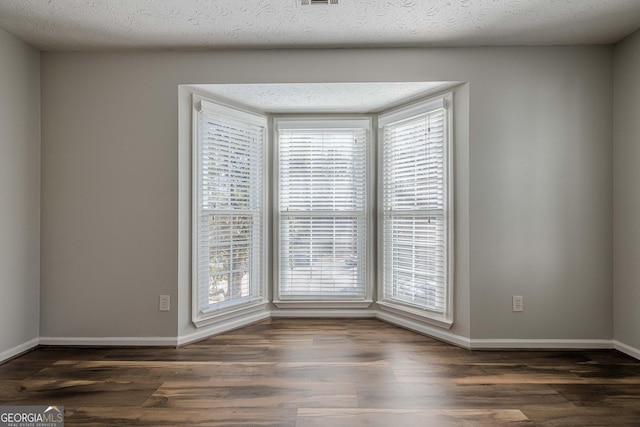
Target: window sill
[(417, 314), (209, 318), (322, 304)]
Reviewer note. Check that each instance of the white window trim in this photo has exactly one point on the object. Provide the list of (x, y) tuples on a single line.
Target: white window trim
[(443, 320), (292, 122), (245, 305)]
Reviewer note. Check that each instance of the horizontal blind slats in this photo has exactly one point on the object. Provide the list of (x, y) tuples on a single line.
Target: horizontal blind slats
[(230, 223), (322, 222), (322, 169), (322, 255), (414, 211)]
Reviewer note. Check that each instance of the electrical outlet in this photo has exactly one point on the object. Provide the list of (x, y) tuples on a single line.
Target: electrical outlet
[(165, 303), (517, 303)]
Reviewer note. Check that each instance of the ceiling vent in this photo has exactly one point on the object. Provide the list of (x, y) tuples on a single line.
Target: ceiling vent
[(312, 2)]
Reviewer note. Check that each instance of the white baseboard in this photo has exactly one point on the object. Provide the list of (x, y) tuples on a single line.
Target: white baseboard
[(202, 333), (110, 341), (19, 349), (543, 344), (626, 349), (420, 327), (222, 327), (500, 344)]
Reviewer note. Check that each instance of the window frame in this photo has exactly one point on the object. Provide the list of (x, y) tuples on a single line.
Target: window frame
[(251, 303), (444, 319), (342, 121)]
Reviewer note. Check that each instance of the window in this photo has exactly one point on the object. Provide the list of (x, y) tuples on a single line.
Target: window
[(228, 214), (416, 210), (322, 210)]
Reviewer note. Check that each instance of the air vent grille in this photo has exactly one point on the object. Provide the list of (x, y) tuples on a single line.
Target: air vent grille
[(316, 2)]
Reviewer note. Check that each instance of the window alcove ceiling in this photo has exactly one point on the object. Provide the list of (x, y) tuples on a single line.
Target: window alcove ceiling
[(323, 98)]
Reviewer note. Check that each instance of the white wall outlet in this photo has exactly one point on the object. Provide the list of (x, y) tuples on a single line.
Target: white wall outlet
[(165, 303), (517, 303)]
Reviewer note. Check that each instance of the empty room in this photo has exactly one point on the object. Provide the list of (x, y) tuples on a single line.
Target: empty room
[(319, 213)]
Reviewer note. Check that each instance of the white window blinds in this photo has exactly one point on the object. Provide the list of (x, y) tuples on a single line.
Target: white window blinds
[(322, 204), (415, 203), (228, 207)]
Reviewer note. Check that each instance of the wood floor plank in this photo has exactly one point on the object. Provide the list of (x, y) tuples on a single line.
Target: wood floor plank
[(76, 392), (156, 417), (20, 369), (319, 417), (584, 417), (230, 394), (601, 395), (446, 395), (511, 374), (109, 370)]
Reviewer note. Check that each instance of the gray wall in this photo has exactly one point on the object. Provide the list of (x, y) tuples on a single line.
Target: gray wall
[(535, 188), (627, 191), (541, 202), (19, 192)]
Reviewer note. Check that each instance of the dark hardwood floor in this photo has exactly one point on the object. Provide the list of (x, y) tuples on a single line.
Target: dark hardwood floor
[(315, 372)]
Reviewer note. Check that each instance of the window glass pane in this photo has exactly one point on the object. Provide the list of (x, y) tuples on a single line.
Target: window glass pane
[(322, 194), (231, 249), (414, 155), (415, 249), (322, 169), (415, 227), (322, 256)]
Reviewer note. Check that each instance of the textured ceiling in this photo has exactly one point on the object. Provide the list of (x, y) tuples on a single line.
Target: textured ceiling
[(204, 24), (323, 97)]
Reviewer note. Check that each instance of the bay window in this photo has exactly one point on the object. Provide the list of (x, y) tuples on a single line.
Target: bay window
[(323, 212)]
